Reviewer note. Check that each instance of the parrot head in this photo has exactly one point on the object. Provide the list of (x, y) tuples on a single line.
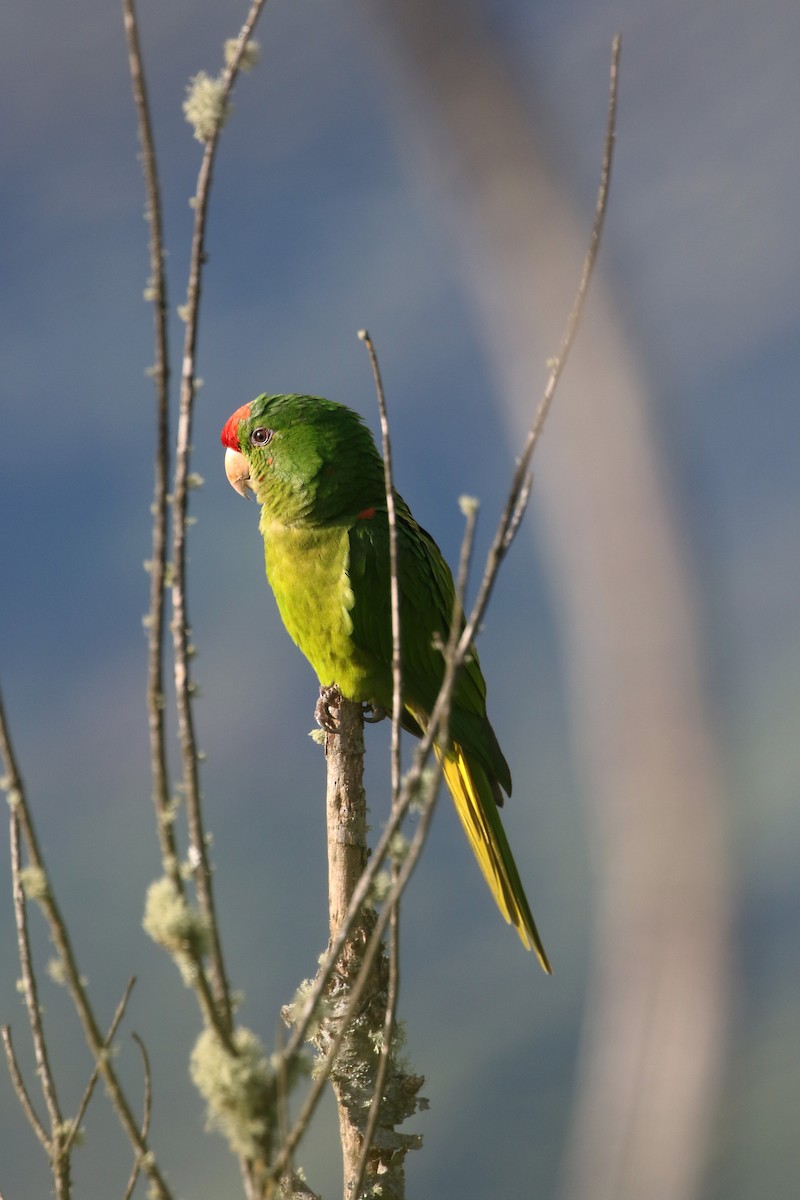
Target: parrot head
[(304, 458)]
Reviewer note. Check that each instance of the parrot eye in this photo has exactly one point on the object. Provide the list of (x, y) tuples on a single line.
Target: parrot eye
[(260, 436)]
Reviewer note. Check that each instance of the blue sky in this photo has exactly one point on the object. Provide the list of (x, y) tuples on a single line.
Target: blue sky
[(323, 221)]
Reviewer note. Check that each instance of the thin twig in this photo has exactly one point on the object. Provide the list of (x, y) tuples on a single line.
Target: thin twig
[(180, 622), (59, 1160), (155, 687), (29, 985), (157, 289), (21, 1091), (147, 1109), (75, 1124), (391, 510), (397, 705), (72, 975), (209, 980), (520, 486)]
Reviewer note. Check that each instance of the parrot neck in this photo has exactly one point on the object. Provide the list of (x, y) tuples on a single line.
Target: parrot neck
[(336, 494)]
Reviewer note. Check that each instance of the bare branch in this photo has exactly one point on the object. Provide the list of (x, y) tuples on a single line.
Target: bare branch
[(520, 487), (146, 1114), (29, 985), (58, 932), (155, 621), (397, 706), (157, 291), (397, 677), (180, 621), (87, 1095), (22, 1092), (52, 1142), (207, 974)]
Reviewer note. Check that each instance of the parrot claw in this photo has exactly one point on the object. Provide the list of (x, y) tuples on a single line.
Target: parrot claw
[(372, 713), (328, 698)]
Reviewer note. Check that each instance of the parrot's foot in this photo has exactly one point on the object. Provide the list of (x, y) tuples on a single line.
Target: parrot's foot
[(372, 713), (329, 696)]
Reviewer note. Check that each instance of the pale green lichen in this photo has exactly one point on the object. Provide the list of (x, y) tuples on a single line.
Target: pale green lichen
[(250, 54), (293, 1011), (378, 1039), (422, 788), (56, 969), (171, 921), (169, 815), (399, 846), (238, 1088), (34, 883), (66, 1131), (381, 886), (205, 107)]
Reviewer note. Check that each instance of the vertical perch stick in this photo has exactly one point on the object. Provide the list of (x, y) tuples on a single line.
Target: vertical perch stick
[(355, 1066), (346, 808)]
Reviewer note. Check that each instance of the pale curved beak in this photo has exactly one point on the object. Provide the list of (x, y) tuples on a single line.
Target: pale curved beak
[(238, 471)]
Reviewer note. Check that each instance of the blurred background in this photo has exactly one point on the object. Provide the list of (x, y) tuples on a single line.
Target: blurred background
[(429, 172)]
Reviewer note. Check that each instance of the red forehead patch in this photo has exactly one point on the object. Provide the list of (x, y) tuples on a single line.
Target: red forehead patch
[(230, 428)]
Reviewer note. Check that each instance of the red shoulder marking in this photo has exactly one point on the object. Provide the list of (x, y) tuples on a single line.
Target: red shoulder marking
[(366, 514)]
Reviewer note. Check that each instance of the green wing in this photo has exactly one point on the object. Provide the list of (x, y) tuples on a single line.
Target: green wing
[(473, 763), (427, 599)]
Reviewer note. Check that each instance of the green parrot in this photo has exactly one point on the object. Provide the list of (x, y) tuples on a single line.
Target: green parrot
[(318, 476)]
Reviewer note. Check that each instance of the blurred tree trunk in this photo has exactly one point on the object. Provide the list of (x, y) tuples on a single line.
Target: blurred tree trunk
[(656, 1009)]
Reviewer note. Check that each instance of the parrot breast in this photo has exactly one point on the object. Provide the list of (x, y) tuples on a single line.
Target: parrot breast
[(307, 569)]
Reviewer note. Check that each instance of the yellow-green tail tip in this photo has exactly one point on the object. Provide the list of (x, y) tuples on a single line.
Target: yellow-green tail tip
[(529, 936), (475, 804)]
